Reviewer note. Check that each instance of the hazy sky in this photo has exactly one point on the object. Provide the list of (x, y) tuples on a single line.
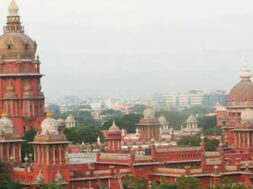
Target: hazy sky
[(137, 47)]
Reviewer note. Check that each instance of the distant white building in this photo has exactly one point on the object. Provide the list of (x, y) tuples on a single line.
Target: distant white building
[(184, 99)]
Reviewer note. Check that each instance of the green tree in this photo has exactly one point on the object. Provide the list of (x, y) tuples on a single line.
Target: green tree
[(130, 182), (228, 184), (211, 145), (187, 183), (86, 134), (163, 184), (128, 122), (138, 109), (207, 122), (5, 180), (27, 148), (189, 141), (51, 186)]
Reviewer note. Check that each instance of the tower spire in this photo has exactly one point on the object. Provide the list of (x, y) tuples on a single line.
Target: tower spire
[(13, 19), (13, 9)]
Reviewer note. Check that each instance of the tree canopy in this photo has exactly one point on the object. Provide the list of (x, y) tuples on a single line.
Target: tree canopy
[(86, 134), (128, 122), (51, 186), (27, 148), (5, 180)]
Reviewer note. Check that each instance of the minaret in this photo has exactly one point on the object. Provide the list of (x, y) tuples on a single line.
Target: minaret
[(50, 149), (20, 90)]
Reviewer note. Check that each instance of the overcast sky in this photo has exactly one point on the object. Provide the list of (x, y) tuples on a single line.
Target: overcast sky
[(137, 47)]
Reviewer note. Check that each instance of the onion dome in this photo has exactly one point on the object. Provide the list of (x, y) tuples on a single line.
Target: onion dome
[(247, 116), (114, 127), (243, 91), (14, 43), (60, 122), (49, 125), (6, 125), (191, 119)]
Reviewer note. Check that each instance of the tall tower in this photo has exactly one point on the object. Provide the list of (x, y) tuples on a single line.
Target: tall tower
[(20, 90)]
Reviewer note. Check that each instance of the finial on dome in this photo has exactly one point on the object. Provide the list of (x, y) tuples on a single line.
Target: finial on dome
[(13, 9), (49, 114), (149, 104), (4, 115), (245, 73)]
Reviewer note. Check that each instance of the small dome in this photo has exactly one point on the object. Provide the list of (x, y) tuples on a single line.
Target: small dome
[(247, 116), (149, 113), (17, 45), (163, 120), (70, 119), (243, 91), (60, 122), (13, 9), (245, 73), (6, 125), (49, 125), (114, 127), (191, 119)]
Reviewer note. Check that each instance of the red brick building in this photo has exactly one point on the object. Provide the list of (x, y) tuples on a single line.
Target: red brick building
[(21, 97), (106, 167)]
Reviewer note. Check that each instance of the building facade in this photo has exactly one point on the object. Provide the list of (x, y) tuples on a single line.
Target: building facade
[(21, 97)]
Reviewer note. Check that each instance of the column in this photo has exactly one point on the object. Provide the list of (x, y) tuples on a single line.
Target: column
[(248, 139), (53, 154)]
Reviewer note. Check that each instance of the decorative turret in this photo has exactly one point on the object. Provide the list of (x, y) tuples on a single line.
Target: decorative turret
[(10, 143), (149, 126), (113, 139), (50, 148), (70, 121), (191, 122)]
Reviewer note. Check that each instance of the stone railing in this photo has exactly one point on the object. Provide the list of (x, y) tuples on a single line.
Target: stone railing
[(143, 158), (77, 158), (179, 149), (108, 156), (213, 161), (230, 168), (124, 171), (170, 170), (195, 171), (102, 172), (210, 154)]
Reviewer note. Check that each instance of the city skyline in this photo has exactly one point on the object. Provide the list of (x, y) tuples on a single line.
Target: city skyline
[(139, 47)]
